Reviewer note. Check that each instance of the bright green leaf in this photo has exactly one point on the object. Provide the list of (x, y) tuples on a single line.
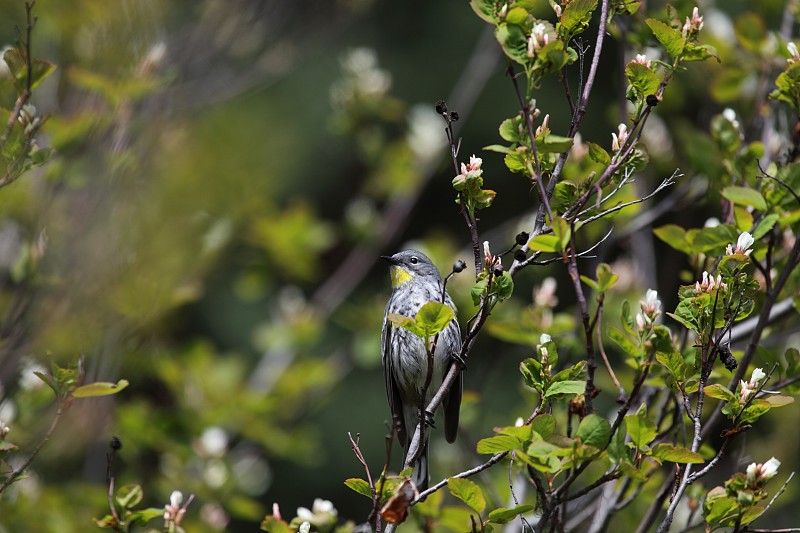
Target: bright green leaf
[(498, 444), (594, 431), (672, 39), (359, 485), (544, 425), (676, 454), (720, 392), (100, 388), (598, 154), (641, 429), (673, 235), (501, 515), (129, 496), (565, 387), (544, 242), (468, 492), (745, 196), (270, 524), (433, 317)]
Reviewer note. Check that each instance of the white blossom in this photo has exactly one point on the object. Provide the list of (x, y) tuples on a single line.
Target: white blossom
[(618, 139), (693, 25), (793, 53), (641, 59), (545, 127), (762, 472)]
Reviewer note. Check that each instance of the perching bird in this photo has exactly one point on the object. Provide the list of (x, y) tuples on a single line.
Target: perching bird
[(416, 281)]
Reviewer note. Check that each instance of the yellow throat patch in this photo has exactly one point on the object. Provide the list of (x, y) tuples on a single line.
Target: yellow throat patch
[(400, 276)]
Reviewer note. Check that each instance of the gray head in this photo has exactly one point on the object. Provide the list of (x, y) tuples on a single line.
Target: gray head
[(409, 264)]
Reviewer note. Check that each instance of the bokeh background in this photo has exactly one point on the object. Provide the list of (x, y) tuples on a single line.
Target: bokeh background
[(227, 174)]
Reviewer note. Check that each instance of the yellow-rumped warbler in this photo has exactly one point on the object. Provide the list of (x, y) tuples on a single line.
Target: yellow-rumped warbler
[(416, 281)]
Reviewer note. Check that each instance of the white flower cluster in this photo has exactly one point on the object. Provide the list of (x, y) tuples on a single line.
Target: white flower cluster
[(762, 472), (708, 283), (748, 388), (743, 245)]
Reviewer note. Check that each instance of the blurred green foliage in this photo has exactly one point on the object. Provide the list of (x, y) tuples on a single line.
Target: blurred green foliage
[(224, 175)]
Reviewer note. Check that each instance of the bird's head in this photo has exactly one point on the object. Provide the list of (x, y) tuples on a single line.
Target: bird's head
[(407, 265)]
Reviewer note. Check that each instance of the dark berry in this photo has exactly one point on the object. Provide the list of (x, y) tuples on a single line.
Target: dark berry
[(459, 266), (441, 107), (522, 238)]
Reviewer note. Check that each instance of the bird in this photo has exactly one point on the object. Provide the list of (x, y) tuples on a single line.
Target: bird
[(416, 281)]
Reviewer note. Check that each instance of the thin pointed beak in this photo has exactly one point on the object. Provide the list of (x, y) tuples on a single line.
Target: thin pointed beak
[(391, 260)]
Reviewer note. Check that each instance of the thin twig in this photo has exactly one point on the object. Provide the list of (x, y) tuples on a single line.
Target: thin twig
[(63, 404)]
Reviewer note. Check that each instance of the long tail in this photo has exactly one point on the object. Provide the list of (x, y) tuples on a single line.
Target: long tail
[(420, 476)]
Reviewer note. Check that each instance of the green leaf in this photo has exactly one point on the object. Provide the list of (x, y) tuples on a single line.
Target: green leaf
[(531, 370), (544, 243), (433, 317), (626, 318), (745, 196), (686, 314), (273, 525), (485, 9), (700, 52), (129, 496), (100, 388), (143, 516), (468, 492), (576, 15), (765, 225), (641, 429), (717, 505), (15, 60), (359, 485), (788, 86), (590, 283), (523, 433), (509, 130), (718, 391), (622, 340), (617, 451), (513, 41), (714, 240), (544, 425), (48, 380), (605, 277), (517, 15), (503, 286), (405, 322), (502, 515), (515, 161), (670, 38), (673, 235), (553, 144), (676, 454), (642, 78), (479, 289), (752, 513), (598, 154), (562, 232), (498, 444), (497, 148), (565, 387), (594, 431), (778, 400), (674, 363)]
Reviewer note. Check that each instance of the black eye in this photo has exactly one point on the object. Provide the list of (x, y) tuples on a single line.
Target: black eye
[(414, 260)]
